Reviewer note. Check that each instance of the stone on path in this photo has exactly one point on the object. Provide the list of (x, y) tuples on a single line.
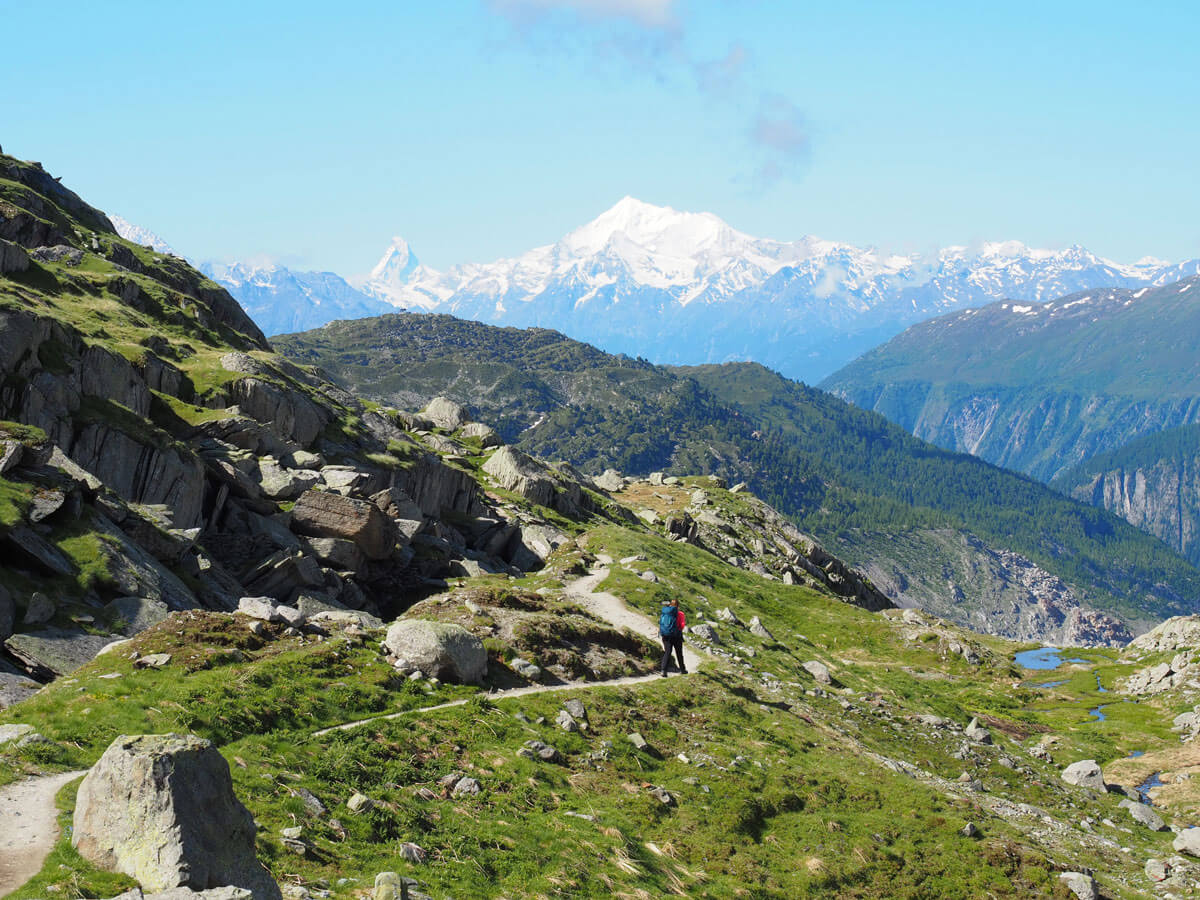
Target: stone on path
[(439, 649)]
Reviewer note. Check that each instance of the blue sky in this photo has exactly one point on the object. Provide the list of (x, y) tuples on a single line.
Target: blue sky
[(310, 133)]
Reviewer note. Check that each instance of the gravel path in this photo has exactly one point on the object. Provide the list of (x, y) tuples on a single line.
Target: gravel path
[(28, 827), (613, 610), (603, 605)]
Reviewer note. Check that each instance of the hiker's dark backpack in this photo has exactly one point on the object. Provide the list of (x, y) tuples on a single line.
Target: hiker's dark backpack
[(668, 621)]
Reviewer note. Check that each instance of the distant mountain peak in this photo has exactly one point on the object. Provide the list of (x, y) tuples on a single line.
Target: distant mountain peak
[(140, 235), (395, 267)]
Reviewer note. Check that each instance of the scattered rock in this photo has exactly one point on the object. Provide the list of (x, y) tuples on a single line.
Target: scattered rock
[(705, 632), (728, 615), (11, 733), (466, 787), (661, 795), (819, 671), (359, 803), (758, 628), (649, 576), (638, 741), (412, 853), (446, 414), (1187, 841), (1085, 773), (1157, 870), (1081, 885), (262, 608), (576, 708), (312, 805), (610, 481), (391, 886), (161, 809), (1144, 814), (566, 721), (152, 661), (539, 750), (487, 435), (969, 830), (40, 610), (526, 669), (977, 733)]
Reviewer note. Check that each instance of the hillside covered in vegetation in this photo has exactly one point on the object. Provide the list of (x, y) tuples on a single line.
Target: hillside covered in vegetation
[(940, 530)]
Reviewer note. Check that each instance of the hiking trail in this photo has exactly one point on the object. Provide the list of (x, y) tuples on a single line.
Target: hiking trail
[(604, 605), (28, 827)]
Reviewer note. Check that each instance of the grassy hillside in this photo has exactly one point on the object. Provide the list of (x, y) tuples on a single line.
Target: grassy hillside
[(1040, 388), (778, 786), (847, 476)]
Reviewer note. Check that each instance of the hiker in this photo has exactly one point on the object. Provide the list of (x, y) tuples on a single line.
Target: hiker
[(671, 622)]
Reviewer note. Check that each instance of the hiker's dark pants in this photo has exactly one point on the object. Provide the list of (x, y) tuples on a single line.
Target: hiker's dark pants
[(672, 642)]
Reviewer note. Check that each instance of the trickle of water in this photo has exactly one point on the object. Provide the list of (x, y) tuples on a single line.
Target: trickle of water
[(1147, 786), (1098, 712)]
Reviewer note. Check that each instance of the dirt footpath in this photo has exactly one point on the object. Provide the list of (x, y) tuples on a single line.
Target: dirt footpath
[(28, 827)]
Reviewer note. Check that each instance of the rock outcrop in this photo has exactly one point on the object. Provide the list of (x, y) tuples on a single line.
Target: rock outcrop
[(518, 472), (161, 809), (1176, 633)]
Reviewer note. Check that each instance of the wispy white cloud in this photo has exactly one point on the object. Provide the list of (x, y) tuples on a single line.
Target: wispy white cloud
[(723, 77), (780, 132), (650, 36), (649, 13)]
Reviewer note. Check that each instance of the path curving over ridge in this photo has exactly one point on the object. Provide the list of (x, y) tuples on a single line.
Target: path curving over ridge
[(608, 607)]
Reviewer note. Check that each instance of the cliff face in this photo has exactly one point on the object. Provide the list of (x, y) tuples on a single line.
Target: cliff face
[(1161, 497), (1087, 392), (1009, 594)]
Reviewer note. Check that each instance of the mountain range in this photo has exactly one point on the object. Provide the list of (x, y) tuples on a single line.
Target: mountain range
[(402, 659), (1097, 392), (687, 288)]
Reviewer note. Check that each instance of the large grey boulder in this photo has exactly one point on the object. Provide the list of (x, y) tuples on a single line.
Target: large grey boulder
[(133, 615), (487, 435), (56, 650), (448, 651), (445, 413), (1085, 773), (161, 809), (1144, 814), (610, 480), (819, 671), (1081, 884), (1187, 841), (325, 514)]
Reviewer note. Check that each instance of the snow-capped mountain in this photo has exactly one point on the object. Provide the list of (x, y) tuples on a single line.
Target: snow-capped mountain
[(140, 235), (282, 300), (681, 287)]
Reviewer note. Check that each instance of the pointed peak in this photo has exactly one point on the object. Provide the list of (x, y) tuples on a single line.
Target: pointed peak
[(396, 264)]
